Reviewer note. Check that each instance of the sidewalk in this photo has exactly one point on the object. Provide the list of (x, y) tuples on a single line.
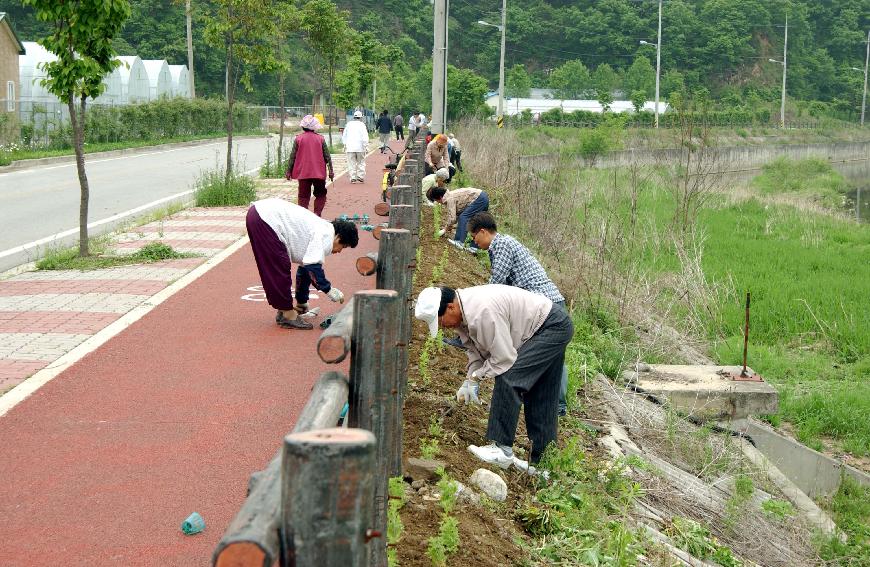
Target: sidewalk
[(102, 463)]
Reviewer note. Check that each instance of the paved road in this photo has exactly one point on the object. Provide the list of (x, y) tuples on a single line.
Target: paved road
[(41, 202)]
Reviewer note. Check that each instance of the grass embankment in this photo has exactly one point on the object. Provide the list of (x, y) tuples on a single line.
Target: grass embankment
[(809, 277)]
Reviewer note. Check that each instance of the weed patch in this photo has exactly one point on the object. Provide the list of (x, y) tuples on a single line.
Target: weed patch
[(68, 259), (216, 189)]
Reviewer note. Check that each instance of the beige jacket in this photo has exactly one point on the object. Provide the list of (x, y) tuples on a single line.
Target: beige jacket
[(436, 156), (455, 202), (496, 321)]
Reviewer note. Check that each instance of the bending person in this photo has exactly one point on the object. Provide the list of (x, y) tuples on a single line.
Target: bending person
[(461, 205), (516, 338), (282, 233), (513, 264)]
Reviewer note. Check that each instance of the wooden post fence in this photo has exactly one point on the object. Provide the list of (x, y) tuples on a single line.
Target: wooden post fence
[(334, 343), (327, 491), (374, 395), (252, 538)]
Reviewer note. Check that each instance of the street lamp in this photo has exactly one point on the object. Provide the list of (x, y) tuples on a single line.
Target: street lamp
[(658, 45), (502, 28)]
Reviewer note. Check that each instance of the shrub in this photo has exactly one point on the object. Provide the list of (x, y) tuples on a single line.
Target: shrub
[(216, 189)]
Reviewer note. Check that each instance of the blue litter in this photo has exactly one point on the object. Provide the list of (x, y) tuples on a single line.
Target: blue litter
[(193, 524)]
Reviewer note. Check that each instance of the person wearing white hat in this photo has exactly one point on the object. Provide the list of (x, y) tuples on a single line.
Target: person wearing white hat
[(356, 143), (516, 338)]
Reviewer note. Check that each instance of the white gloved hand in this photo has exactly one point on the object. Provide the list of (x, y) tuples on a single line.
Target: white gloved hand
[(468, 392), (441, 232), (335, 295)]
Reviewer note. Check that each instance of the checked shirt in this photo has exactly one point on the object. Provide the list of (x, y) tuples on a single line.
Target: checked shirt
[(513, 264)]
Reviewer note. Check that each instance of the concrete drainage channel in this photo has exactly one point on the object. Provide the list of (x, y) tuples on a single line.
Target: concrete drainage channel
[(706, 393)]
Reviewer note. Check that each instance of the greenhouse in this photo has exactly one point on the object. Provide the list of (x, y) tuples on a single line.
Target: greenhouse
[(180, 81), (135, 86), (159, 79)]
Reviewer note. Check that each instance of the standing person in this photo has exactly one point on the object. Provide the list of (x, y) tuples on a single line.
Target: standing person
[(356, 143), (515, 338), (385, 128), (413, 125), (513, 264), (399, 125), (436, 154), (308, 163), (455, 151), (461, 205), (282, 233)]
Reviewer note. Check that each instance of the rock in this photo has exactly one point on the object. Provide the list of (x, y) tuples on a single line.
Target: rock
[(464, 495), (490, 483), (422, 469), (629, 376), (642, 367), (418, 484)]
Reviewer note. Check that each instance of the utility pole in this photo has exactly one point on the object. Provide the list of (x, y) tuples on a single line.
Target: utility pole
[(439, 68), (658, 62), (501, 65), (189, 48), (784, 68), (866, 61)]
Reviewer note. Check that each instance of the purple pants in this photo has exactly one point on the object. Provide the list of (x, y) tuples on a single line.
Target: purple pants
[(304, 195), (273, 262)]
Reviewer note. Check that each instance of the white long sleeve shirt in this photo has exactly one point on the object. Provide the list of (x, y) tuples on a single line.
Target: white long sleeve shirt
[(355, 137), (496, 321), (307, 237)]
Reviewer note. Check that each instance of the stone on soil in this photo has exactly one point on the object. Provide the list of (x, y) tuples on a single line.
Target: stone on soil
[(490, 484), (423, 469)]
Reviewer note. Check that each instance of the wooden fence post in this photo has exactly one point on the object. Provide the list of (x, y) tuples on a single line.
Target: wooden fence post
[(327, 482), (334, 343), (396, 272), (374, 394)]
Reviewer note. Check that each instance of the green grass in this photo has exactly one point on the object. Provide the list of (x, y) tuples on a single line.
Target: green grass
[(812, 177), (214, 189), (809, 276), (69, 259), (23, 153), (851, 512)]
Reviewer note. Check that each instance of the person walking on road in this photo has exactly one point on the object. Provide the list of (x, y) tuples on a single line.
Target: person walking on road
[(517, 339), (309, 161), (399, 125), (513, 264), (282, 234), (385, 128), (356, 143), (413, 124), (461, 205), (436, 154)]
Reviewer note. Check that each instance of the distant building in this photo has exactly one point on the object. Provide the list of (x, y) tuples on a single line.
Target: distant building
[(135, 85), (180, 81), (159, 78), (10, 49), (514, 106)]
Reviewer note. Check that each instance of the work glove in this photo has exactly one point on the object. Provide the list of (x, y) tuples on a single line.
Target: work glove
[(468, 392), (335, 295), (441, 232)]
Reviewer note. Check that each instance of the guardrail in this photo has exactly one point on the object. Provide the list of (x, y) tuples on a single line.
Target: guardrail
[(323, 498)]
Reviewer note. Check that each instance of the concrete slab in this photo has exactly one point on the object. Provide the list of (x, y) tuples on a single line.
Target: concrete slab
[(818, 475), (706, 392)]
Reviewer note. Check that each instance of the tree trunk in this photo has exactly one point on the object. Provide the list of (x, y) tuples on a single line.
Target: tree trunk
[(231, 95), (78, 127), (281, 118)]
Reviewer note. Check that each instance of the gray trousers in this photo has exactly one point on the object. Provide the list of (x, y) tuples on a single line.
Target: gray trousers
[(533, 381)]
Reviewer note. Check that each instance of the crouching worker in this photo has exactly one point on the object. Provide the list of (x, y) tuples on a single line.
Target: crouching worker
[(461, 205), (282, 233), (437, 179), (516, 338)]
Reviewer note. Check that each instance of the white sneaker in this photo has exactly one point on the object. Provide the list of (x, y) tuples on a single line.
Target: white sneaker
[(491, 454)]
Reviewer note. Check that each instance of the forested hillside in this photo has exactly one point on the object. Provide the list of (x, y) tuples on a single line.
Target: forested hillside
[(576, 47)]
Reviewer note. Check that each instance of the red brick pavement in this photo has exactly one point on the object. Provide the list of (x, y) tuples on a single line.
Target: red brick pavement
[(70, 322), (35, 287)]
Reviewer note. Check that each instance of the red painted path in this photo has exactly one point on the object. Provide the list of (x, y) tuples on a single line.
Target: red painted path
[(102, 464)]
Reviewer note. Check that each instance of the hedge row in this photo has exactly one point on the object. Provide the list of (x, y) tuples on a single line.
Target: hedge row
[(170, 118), (557, 117)]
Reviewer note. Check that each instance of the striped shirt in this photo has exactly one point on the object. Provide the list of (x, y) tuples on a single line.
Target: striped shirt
[(513, 264)]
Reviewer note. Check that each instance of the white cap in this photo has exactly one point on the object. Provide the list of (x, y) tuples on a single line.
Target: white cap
[(357, 114), (426, 308), (443, 173)]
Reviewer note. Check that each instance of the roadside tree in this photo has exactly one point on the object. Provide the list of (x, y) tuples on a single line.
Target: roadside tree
[(80, 34)]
